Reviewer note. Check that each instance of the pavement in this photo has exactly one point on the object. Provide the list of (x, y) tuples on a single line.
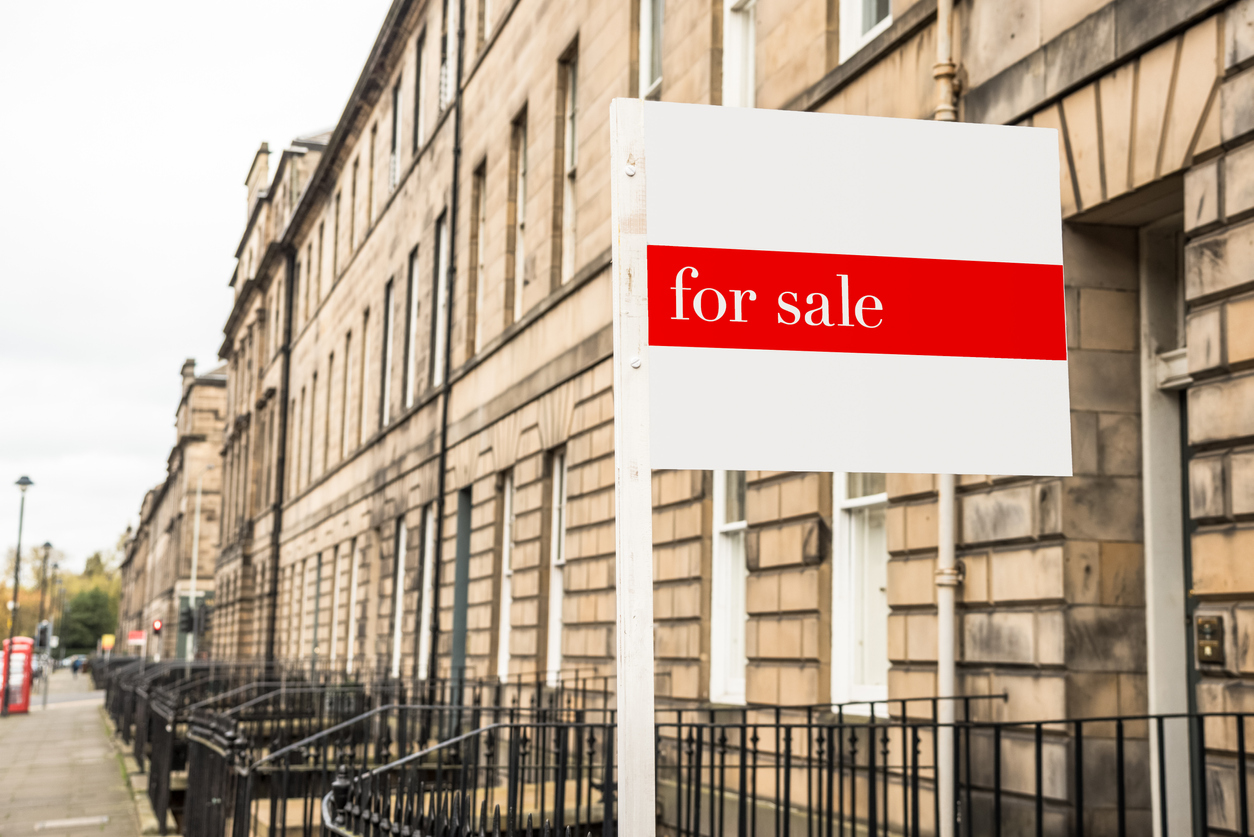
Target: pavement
[(59, 774)]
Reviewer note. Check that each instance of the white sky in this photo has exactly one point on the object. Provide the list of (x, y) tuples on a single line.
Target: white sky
[(128, 128)]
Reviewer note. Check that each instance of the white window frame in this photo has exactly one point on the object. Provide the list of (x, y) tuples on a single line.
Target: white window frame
[(427, 607), (481, 262), (648, 50), (351, 644), (394, 159), (847, 580), (419, 98), (507, 578), (411, 331), (520, 215), (730, 617), (385, 401), (441, 295), (571, 153), (397, 600), (557, 570), (851, 37), (739, 53)]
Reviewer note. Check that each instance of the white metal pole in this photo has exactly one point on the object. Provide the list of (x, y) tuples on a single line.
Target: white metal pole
[(946, 584), (633, 529)]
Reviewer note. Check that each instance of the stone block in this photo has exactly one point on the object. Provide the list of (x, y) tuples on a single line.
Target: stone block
[(761, 683), (1204, 338), (1027, 574), (998, 515), (1105, 638), (921, 526), (1102, 508), (908, 485), (1092, 694), (1100, 257), (801, 495), (975, 572), (1219, 261), (1122, 575), (1241, 466), (1221, 562), (1240, 330), (1236, 106), (1119, 444), (911, 683), (911, 581), (999, 637), (762, 593), (1206, 487), (1083, 442), (1051, 638), (1105, 381), (1244, 650), (1221, 410), (1108, 319), (762, 503), (896, 637), (799, 590), (921, 637), (799, 684), (1031, 697), (1071, 299), (1239, 34), (895, 525), (1201, 197), (1238, 177)]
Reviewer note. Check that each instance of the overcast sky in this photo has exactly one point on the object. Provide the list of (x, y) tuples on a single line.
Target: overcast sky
[(128, 130)]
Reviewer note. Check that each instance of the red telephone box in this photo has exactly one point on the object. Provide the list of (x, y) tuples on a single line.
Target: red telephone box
[(19, 688)]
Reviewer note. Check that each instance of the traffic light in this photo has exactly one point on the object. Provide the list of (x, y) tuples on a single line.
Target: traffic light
[(187, 620), (205, 611), (156, 626), (43, 635)]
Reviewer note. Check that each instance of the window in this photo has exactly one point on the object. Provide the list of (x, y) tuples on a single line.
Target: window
[(739, 44), (348, 382), (727, 590), (485, 23), (448, 48), (351, 623), (336, 591), (335, 240), (352, 208), (859, 588), (478, 246), (313, 408), (570, 156), (394, 159), (321, 230), (411, 329), (326, 424), (427, 605), (516, 263), (418, 97), (860, 22), (385, 386), (361, 394), (374, 141), (439, 311), (650, 23), (506, 598), (398, 556), (305, 318), (557, 567)]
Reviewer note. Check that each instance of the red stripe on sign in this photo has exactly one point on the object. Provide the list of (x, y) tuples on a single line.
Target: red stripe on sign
[(815, 302)]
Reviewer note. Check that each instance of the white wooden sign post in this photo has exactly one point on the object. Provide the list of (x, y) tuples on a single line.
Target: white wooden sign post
[(816, 292)]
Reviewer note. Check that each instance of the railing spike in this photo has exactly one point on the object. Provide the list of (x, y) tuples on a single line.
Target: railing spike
[(496, 822)]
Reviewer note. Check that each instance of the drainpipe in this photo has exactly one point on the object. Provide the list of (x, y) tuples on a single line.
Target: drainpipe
[(947, 574), (944, 70), (947, 580)]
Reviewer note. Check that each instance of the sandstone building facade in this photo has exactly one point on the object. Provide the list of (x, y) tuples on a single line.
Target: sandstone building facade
[(157, 565), (419, 444)]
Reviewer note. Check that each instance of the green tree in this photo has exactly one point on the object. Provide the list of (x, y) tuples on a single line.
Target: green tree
[(90, 614)]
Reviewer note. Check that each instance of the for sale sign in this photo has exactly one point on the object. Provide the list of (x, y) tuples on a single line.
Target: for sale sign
[(848, 293)]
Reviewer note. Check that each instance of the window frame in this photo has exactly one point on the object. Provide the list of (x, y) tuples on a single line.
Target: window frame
[(852, 39), (558, 469), (727, 600), (847, 580)]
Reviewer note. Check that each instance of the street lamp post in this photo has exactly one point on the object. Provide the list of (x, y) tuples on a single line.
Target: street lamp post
[(22, 484)]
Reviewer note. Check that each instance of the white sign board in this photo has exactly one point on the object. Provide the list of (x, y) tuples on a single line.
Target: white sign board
[(814, 292), (844, 293)]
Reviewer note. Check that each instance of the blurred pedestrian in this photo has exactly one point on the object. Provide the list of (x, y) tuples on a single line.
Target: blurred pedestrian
[(76, 665)]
